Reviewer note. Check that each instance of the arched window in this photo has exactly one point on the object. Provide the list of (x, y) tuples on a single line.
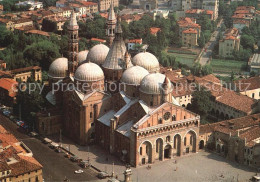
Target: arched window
[(174, 118), (185, 141), (141, 150), (168, 138), (90, 114)]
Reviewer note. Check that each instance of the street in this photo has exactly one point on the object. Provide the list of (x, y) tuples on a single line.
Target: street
[(210, 45), (55, 166)]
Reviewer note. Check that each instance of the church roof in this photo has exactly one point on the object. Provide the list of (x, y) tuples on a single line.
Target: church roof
[(115, 57)]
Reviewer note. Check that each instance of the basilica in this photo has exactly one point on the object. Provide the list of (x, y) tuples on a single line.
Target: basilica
[(121, 103)]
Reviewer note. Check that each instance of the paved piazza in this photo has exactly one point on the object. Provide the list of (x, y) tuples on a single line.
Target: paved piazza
[(202, 166)]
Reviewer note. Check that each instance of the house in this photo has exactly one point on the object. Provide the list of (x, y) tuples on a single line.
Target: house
[(160, 14), (148, 5), (236, 139), (187, 23), (104, 5), (254, 63), (196, 13), (154, 30), (34, 72), (240, 24), (17, 161), (229, 43), (33, 4), (98, 40), (249, 87), (133, 42), (189, 37), (8, 91)]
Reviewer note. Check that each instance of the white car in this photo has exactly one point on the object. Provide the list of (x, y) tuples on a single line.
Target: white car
[(79, 171)]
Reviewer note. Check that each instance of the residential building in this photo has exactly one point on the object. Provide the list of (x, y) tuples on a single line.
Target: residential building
[(254, 63), (128, 18), (160, 14), (104, 5), (8, 91), (189, 37), (249, 87), (245, 13), (134, 43), (190, 30), (148, 5), (22, 74), (33, 4), (235, 139), (181, 6), (229, 43), (17, 161), (2, 65), (196, 13), (154, 30), (240, 24)]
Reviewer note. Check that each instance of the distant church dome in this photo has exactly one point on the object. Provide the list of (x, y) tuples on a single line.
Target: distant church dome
[(58, 68), (82, 56), (147, 61), (134, 75), (152, 83), (98, 54), (89, 72)]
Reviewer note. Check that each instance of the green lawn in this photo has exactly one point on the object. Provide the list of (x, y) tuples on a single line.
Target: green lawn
[(227, 66), (184, 58)]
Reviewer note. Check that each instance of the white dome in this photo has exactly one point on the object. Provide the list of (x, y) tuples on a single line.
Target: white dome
[(134, 75), (152, 83), (58, 68), (82, 56), (89, 72), (98, 54), (147, 61)]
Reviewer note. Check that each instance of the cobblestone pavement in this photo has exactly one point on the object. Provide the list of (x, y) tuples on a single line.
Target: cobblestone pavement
[(201, 166)]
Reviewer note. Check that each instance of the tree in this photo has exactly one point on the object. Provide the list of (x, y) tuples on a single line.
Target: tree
[(6, 37), (49, 26), (30, 101), (206, 70), (248, 42), (196, 69), (200, 102), (201, 40), (42, 53)]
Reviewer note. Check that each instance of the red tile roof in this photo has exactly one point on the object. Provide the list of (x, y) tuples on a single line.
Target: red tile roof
[(98, 40), (139, 41), (190, 31), (154, 30), (187, 22), (38, 32), (8, 84), (30, 68), (248, 84)]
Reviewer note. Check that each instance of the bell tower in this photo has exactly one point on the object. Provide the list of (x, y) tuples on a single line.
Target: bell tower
[(73, 45), (111, 25)]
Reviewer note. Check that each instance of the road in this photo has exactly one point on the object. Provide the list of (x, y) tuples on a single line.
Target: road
[(55, 165), (210, 46)]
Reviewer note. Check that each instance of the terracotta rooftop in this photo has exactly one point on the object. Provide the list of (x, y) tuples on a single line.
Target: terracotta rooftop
[(233, 125), (198, 11), (187, 22), (38, 32), (139, 41), (154, 30), (237, 101), (7, 84), (250, 134), (190, 31), (98, 40), (30, 68), (22, 164), (248, 84)]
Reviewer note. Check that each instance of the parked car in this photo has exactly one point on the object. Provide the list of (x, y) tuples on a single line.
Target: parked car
[(6, 112), (78, 171), (74, 158), (103, 175)]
